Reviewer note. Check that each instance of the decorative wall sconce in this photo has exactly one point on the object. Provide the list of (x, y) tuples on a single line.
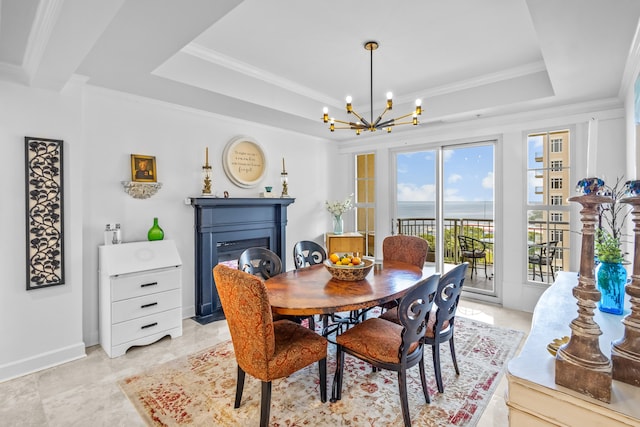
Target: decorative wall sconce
[(206, 174), (284, 178), (141, 190)]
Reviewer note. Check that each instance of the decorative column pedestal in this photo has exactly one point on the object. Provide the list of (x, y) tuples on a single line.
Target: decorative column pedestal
[(625, 353), (580, 365)]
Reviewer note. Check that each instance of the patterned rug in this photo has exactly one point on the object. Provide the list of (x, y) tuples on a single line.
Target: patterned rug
[(199, 389)]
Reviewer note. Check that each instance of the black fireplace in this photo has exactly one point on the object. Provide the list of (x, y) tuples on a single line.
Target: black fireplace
[(225, 227)]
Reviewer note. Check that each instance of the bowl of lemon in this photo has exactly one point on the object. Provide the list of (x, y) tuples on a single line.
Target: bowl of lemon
[(347, 267)]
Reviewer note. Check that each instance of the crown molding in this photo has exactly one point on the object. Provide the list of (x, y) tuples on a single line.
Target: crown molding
[(225, 61), (46, 18), (507, 74)]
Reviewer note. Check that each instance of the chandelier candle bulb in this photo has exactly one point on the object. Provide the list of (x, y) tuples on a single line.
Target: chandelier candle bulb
[(283, 169), (206, 156)]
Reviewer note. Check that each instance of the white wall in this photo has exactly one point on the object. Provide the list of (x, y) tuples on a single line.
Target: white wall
[(118, 125), (42, 327)]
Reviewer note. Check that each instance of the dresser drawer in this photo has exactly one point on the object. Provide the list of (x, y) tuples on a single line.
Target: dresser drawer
[(144, 326), (138, 284), (145, 305)]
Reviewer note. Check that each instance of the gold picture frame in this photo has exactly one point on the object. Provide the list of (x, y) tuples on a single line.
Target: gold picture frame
[(143, 168)]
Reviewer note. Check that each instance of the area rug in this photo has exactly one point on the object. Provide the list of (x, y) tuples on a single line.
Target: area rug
[(199, 389)]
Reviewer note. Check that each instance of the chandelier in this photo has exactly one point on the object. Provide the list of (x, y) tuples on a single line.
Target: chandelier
[(372, 125)]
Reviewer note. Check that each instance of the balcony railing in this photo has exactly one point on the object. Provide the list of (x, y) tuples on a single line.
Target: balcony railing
[(482, 229)]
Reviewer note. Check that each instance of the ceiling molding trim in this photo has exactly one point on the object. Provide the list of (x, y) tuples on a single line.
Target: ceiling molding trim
[(225, 61), (507, 74), (13, 73), (43, 24), (191, 110), (632, 66)]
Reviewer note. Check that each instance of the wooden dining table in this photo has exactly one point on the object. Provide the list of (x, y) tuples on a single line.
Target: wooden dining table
[(312, 290)]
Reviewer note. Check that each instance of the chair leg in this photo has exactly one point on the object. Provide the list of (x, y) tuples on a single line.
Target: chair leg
[(265, 404), (423, 380), (553, 276), (336, 391), (239, 387), (404, 399), (312, 323), (322, 367), (485, 268), (453, 355), (435, 350)]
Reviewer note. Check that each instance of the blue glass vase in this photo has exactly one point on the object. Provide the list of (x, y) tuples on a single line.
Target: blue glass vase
[(611, 279)]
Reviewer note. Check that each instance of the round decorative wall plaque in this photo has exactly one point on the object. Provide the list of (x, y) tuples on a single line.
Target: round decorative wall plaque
[(244, 162)]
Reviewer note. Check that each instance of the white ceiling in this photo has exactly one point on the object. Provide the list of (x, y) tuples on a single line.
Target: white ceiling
[(280, 61)]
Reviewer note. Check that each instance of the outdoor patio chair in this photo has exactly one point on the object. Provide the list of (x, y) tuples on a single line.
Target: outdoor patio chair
[(473, 250), (543, 254)]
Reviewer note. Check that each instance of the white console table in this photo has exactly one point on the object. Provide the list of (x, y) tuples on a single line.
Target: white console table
[(533, 397), (140, 294)]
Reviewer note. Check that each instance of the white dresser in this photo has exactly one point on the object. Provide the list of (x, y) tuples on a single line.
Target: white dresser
[(140, 294), (533, 397)]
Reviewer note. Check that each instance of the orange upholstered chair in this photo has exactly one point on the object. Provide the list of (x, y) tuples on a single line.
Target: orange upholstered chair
[(409, 249), (387, 345), (265, 349)]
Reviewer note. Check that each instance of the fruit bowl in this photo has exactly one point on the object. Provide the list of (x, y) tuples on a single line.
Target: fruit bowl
[(349, 273)]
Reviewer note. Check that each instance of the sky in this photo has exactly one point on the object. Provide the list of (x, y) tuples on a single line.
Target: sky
[(468, 174)]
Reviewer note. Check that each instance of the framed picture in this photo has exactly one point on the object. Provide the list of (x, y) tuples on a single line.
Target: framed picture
[(143, 168), (44, 212), (244, 162)]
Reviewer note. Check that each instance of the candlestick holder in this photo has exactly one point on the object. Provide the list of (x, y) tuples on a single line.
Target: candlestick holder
[(625, 353), (284, 178), (206, 174), (580, 364)]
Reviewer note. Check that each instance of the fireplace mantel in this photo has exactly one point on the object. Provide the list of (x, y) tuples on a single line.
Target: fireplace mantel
[(219, 220)]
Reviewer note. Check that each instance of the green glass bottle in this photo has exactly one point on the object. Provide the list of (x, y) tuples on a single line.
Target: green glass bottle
[(155, 232)]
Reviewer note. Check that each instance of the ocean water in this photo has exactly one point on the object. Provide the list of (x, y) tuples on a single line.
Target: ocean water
[(452, 210)]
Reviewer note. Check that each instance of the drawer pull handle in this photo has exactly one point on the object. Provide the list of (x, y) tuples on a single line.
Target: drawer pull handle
[(149, 305), (149, 325), (144, 285)]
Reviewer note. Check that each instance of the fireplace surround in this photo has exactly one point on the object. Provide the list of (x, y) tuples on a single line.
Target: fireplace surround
[(225, 227)]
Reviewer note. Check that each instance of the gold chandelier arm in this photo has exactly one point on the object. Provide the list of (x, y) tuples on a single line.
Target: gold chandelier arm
[(351, 124), (375, 124), (362, 119), (406, 115)]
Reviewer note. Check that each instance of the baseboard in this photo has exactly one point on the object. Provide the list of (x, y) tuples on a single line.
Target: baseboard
[(42, 361)]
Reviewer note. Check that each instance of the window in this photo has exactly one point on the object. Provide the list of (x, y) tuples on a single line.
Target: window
[(556, 217), (556, 235), (365, 199), (548, 157), (556, 200), (556, 165)]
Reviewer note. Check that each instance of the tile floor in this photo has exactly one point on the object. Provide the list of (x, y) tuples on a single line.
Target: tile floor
[(85, 392)]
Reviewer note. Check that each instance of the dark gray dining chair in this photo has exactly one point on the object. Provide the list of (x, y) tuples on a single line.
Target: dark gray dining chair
[(260, 262), (307, 253)]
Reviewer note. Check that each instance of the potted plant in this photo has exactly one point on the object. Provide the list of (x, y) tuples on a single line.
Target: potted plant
[(611, 273)]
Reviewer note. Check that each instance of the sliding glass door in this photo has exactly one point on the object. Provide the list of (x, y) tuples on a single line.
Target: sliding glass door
[(447, 192)]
